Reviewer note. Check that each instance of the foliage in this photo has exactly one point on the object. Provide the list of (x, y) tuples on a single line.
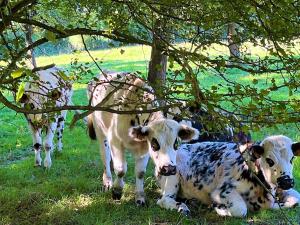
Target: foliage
[(271, 25)]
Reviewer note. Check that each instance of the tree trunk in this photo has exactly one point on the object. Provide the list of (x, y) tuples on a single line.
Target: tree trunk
[(234, 48), (157, 65), (158, 61), (28, 36)]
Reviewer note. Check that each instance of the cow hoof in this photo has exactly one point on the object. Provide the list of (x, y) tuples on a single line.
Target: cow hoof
[(37, 165), (107, 184), (47, 164), (116, 193), (183, 209), (105, 188), (140, 202)]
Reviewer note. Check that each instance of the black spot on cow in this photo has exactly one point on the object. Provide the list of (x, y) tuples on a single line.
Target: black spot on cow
[(132, 123), (141, 174), (255, 206), (120, 174), (215, 156), (225, 188), (37, 146)]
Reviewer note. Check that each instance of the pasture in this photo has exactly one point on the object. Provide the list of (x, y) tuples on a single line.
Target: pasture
[(70, 192)]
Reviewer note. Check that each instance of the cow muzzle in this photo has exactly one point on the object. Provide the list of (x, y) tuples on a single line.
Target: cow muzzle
[(167, 170), (285, 182)]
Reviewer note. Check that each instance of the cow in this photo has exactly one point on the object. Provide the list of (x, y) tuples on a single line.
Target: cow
[(231, 178), (143, 134), (48, 88)]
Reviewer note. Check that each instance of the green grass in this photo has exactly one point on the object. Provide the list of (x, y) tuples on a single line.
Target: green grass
[(70, 192)]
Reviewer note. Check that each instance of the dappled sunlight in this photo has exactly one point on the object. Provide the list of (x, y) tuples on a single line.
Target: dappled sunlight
[(265, 76), (78, 86), (131, 53), (71, 203)]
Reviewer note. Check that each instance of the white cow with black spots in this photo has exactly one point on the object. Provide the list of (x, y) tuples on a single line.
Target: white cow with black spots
[(220, 175), (141, 134), (47, 89)]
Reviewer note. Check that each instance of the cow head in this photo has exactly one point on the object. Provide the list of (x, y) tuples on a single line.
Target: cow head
[(163, 137), (275, 156)]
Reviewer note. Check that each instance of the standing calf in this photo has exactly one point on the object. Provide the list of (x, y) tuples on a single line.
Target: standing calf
[(141, 133), (47, 90)]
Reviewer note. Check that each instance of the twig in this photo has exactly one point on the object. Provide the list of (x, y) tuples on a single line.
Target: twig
[(86, 49)]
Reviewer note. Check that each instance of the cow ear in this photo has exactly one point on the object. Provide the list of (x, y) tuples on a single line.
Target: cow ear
[(139, 133), (296, 148), (24, 98), (257, 151), (55, 94), (187, 133)]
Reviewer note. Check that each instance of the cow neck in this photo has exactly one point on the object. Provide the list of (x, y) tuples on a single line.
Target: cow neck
[(254, 167)]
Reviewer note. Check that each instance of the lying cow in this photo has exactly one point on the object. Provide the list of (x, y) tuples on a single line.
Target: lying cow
[(141, 134), (218, 174), (47, 90)]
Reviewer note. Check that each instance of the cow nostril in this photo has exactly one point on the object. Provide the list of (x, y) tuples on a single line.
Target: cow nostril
[(168, 170), (285, 182)]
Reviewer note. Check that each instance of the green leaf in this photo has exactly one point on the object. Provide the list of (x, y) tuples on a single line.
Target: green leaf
[(63, 75), (50, 36), (255, 81), (17, 73), (20, 91)]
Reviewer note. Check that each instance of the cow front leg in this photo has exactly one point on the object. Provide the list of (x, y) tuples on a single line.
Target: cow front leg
[(48, 144), (37, 144), (229, 202), (107, 160), (120, 168), (170, 187), (140, 169), (60, 130), (288, 199)]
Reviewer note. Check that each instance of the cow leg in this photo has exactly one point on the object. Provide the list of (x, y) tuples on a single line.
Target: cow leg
[(229, 203), (48, 143), (140, 169), (60, 130), (289, 199), (37, 144), (170, 187), (120, 168), (105, 154), (106, 159)]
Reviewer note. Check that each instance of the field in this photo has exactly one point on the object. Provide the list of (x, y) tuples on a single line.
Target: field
[(70, 192)]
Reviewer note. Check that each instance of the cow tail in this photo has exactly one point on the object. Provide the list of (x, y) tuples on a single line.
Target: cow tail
[(91, 129)]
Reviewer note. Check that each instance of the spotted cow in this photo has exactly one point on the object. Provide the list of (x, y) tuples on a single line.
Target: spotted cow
[(47, 89), (142, 134), (233, 180)]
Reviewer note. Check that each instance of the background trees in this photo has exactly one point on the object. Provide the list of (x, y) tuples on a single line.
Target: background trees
[(166, 25)]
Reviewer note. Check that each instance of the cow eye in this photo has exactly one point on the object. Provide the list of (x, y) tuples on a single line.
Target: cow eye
[(270, 162), (176, 144), (292, 159), (155, 145)]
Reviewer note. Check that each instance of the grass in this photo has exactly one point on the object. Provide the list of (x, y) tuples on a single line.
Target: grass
[(70, 192)]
